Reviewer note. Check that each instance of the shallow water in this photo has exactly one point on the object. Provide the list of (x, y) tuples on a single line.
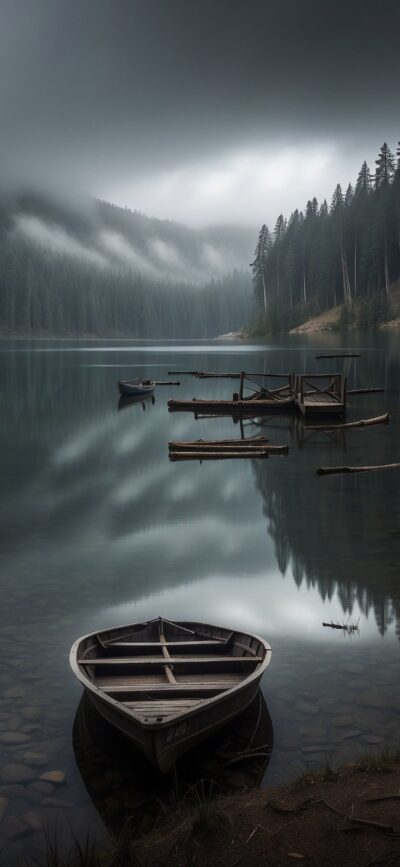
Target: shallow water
[(99, 528)]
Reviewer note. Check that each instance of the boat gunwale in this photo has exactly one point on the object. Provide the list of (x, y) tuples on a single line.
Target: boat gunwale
[(203, 703)]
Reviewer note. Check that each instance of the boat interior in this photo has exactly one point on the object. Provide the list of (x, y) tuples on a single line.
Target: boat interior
[(160, 668)]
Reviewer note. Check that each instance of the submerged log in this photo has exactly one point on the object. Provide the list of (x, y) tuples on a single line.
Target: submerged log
[(363, 422), (161, 382), (340, 355), (364, 390), (214, 447), (218, 455), (209, 374), (332, 471)]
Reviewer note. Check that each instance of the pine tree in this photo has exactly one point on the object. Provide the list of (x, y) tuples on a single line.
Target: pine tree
[(385, 167), (363, 183), (259, 266)]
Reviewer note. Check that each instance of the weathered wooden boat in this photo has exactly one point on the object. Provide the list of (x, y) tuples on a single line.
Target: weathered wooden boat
[(135, 387), (168, 685)]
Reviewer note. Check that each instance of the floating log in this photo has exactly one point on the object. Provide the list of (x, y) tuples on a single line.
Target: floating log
[(208, 374), (215, 447), (332, 471), (161, 382), (218, 455), (255, 442), (253, 407), (364, 390), (363, 422), (340, 355)]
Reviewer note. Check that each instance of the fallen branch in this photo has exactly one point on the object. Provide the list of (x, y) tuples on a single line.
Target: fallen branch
[(345, 627), (340, 355), (363, 422), (332, 471), (364, 390)]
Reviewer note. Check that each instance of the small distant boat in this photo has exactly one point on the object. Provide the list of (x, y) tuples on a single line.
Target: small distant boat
[(135, 387), (167, 685)]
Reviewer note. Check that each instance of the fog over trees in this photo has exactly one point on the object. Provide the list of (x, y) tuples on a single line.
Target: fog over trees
[(347, 252), (107, 271)]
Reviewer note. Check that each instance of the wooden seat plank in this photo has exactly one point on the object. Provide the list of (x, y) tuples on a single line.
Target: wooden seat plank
[(162, 688), (173, 660)]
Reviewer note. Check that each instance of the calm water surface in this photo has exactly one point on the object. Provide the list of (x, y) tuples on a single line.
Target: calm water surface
[(99, 528)]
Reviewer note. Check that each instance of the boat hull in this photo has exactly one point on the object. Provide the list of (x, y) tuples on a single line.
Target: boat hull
[(164, 746), (135, 390), (167, 697)]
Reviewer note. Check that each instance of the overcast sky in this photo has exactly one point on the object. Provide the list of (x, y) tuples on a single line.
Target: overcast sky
[(204, 111)]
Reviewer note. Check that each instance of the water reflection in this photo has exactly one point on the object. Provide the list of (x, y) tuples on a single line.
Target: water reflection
[(97, 528), (123, 785)]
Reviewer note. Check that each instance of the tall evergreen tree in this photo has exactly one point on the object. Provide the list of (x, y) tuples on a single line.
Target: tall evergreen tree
[(259, 266), (385, 167)]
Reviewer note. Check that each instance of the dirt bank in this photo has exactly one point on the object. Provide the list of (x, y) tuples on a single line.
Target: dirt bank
[(348, 818), (328, 321)]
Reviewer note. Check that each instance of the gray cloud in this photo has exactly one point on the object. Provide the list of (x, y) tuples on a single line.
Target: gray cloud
[(142, 100)]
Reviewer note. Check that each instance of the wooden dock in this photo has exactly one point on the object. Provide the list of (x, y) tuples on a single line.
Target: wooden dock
[(321, 394), (261, 398), (313, 394)]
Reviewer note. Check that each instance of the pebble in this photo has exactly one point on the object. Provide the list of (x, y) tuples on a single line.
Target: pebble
[(12, 738), (31, 713), (55, 777), (16, 692), (35, 759), (14, 723), (15, 773)]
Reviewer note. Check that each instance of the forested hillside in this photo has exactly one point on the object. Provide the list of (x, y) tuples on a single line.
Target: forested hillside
[(95, 269), (346, 253)]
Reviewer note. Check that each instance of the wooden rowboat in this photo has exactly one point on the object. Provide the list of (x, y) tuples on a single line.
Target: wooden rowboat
[(168, 685), (135, 387)]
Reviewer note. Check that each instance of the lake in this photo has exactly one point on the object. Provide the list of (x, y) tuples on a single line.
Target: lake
[(98, 528)]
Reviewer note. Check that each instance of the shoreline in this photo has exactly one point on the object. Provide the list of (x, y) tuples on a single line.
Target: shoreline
[(350, 817)]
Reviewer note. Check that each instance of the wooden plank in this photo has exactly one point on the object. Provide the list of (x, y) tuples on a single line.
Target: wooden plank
[(188, 644), (162, 688), (167, 668), (173, 660)]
